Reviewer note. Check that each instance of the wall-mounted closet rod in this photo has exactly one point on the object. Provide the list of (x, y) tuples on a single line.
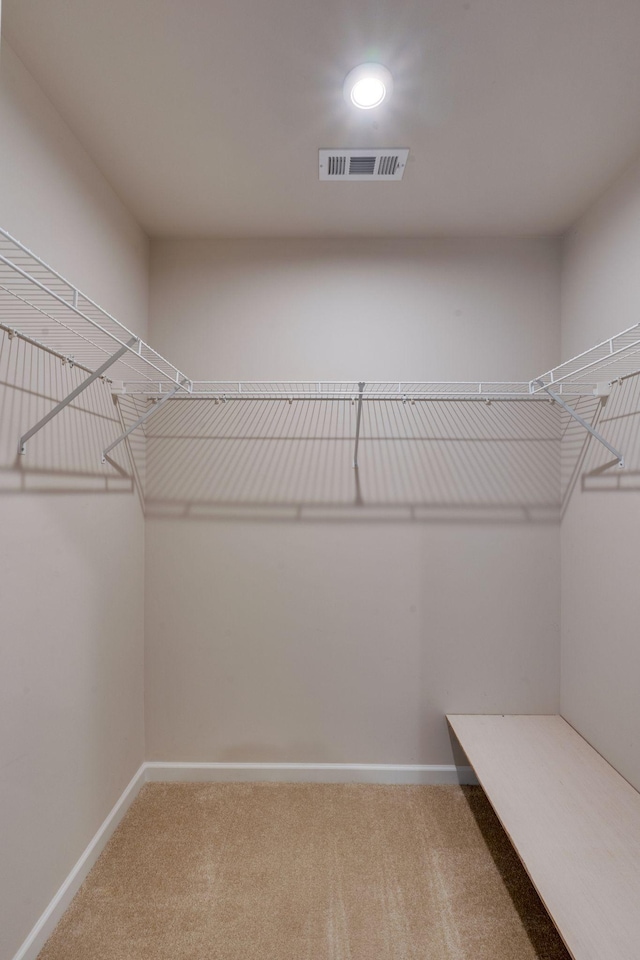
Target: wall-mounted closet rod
[(12, 332), (627, 376), (284, 398), (145, 416), (344, 398), (74, 393), (584, 423)]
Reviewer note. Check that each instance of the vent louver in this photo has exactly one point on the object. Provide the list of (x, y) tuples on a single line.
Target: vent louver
[(362, 165), (387, 164)]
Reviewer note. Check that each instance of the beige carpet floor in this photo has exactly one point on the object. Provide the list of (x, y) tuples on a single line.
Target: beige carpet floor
[(306, 872)]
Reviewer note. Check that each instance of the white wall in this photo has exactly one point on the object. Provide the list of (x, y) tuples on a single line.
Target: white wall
[(71, 562), (272, 636), (601, 527)]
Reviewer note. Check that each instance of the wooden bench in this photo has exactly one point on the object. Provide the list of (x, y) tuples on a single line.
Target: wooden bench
[(574, 822)]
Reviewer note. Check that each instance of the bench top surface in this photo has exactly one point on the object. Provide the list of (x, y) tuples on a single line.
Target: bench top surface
[(574, 821)]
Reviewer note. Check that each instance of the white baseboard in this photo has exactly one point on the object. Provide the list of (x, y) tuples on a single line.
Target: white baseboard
[(49, 919), (225, 772), (310, 772)]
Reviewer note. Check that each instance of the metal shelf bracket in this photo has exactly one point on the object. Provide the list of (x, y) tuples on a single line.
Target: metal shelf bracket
[(358, 419), (583, 423), (74, 393), (145, 416)]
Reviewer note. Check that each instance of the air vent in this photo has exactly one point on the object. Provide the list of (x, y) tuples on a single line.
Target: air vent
[(368, 165)]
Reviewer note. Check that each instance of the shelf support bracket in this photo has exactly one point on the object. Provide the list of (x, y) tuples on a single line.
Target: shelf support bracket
[(74, 393), (583, 423), (358, 419), (145, 416)]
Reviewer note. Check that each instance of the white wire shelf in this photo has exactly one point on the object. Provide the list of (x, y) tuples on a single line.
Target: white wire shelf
[(349, 390), (608, 362), (615, 359), (42, 308)]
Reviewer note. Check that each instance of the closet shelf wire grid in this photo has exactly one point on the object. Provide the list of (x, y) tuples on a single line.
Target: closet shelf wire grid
[(43, 308), (38, 305)]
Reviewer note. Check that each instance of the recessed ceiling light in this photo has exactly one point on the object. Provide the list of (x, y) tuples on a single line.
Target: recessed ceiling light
[(367, 85)]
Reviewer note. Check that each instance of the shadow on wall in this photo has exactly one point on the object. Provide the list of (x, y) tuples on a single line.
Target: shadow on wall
[(429, 461), (65, 456)]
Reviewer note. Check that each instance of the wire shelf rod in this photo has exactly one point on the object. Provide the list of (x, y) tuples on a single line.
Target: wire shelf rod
[(65, 358), (432, 398), (628, 376)]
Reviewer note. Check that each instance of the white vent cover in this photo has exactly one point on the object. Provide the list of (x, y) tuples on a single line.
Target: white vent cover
[(387, 164)]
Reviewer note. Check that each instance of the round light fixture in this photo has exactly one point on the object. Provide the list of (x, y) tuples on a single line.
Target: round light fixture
[(367, 85)]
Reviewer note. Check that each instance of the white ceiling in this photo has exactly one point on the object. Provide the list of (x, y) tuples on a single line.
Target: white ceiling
[(206, 115)]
